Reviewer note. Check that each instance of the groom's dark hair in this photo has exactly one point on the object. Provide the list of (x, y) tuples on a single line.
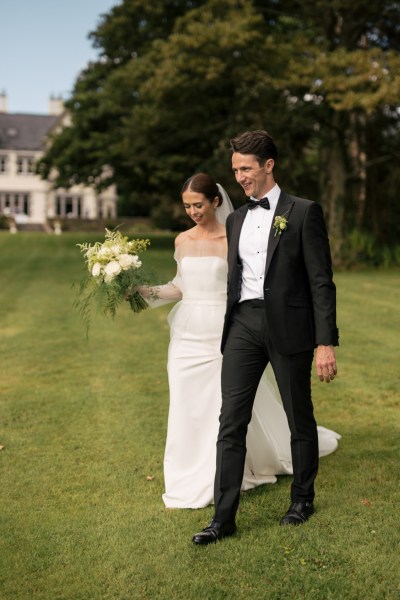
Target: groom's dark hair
[(259, 143)]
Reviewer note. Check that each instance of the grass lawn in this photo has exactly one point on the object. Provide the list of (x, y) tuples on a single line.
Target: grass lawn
[(83, 428)]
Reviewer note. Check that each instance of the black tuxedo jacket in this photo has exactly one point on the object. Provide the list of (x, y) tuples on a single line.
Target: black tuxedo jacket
[(299, 293)]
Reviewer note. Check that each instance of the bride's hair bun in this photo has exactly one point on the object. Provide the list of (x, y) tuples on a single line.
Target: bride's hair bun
[(202, 183)]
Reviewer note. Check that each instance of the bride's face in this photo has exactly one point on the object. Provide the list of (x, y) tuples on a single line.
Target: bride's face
[(199, 208)]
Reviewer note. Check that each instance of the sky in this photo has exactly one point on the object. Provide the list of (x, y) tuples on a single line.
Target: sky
[(43, 47)]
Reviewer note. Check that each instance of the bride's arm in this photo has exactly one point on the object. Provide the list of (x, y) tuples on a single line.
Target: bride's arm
[(159, 295)]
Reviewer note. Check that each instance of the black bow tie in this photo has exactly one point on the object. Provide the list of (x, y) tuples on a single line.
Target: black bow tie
[(264, 202)]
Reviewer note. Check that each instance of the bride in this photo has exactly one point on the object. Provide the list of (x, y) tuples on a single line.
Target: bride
[(194, 364)]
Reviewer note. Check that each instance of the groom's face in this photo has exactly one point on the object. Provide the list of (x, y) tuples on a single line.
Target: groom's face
[(256, 180)]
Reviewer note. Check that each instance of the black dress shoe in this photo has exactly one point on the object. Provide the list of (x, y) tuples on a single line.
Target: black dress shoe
[(298, 513), (214, 532)]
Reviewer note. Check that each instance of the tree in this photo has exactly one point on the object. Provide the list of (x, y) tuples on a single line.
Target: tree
[(98, 111), (346, 67), (175, 80)]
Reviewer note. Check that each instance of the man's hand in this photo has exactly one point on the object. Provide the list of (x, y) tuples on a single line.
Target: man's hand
[(325, 361)]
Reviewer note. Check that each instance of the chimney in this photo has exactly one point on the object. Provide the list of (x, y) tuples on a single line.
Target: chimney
[(56, 105), (3, 102)]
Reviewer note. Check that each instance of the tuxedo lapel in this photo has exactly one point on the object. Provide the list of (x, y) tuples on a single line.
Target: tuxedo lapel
[(283, 208), (240, 215)]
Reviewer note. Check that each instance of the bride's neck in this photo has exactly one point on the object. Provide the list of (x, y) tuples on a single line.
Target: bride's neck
[(213, 230)]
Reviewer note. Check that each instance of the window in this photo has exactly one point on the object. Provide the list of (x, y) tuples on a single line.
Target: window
[(25, 165), (14, 204), (68, 205), (3, 164), (58, 206)]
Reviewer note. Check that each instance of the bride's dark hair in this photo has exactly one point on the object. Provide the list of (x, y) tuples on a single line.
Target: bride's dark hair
[(201, 183)]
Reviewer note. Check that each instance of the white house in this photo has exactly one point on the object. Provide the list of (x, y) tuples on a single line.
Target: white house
[(23, 194)]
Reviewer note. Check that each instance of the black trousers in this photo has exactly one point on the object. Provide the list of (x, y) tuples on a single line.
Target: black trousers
[(247, 352)]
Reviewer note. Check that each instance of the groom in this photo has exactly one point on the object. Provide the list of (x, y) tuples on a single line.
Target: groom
[(281, 306)]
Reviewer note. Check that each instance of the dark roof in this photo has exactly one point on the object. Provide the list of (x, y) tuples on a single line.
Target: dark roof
[(24, 132)]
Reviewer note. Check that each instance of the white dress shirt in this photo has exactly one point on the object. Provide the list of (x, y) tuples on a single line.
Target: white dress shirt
[(253, 245)]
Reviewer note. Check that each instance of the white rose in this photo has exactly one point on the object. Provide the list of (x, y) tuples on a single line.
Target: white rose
[(96, 269), (125, 260), (136, 263), (112, 269)]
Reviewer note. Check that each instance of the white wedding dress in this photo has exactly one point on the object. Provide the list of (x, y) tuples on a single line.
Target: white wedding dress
[(194, 371)]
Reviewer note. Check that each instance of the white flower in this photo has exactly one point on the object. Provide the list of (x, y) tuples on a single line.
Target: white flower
[(96, 269), (112, 270), (136, 263), (116, 249), (125, 260), (90, 251)]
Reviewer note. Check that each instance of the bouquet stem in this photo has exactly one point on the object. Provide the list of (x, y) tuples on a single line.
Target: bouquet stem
[(137, 302)]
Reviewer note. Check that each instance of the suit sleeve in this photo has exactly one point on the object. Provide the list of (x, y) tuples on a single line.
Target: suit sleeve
[(318, 263), (228, 226)]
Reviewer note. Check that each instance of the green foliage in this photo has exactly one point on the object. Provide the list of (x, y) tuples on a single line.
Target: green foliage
[(362, 249), (167, 215), (176, 80)]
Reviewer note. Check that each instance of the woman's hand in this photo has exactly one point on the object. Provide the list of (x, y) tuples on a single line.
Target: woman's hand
[(144, 290), (129, 293)]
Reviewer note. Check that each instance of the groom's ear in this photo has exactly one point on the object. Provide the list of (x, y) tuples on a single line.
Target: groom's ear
[(269, 165)]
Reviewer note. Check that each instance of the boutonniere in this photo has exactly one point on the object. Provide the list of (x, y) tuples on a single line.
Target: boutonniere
[(280, 224)]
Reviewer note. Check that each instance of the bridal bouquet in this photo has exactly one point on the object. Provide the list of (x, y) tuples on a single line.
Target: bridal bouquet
[(115, 270)]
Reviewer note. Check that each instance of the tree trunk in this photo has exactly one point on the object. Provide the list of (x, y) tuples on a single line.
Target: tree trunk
[(358, 156), (333, 185)]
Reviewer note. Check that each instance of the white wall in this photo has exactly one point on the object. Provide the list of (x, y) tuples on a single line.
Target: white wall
[(43, 197)]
